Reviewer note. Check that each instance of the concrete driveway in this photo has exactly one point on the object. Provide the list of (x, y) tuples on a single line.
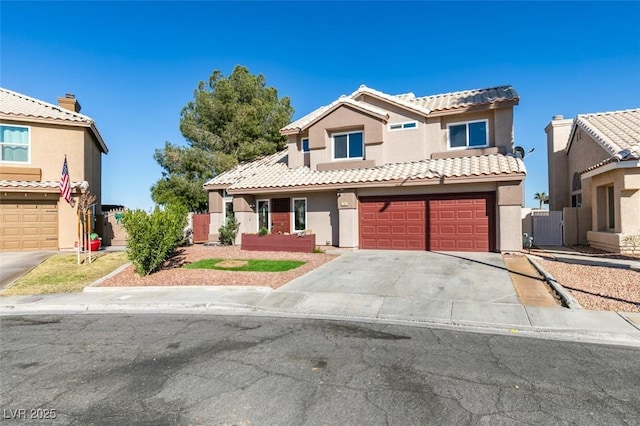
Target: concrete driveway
[(467, 287), (15, 264), (472, 277)]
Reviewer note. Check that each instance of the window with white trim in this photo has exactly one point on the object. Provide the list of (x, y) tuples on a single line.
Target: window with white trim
[(348, 145), (305, 145), (15, 144), (403, 126), (470, 134), (299, 214)]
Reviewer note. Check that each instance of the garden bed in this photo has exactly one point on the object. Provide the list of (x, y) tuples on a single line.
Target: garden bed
[(173, 273)]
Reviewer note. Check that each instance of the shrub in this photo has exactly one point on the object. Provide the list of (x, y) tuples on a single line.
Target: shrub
[(632, 241), (153, 237), (263, 231), (228, 232)]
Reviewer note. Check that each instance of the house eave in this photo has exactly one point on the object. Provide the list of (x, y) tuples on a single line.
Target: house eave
[(474, 108), (614, 165), (56, 122), (396, 183), (349, 105)]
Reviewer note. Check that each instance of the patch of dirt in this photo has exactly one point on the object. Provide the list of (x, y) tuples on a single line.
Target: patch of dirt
[(172, 274), (232, 263)]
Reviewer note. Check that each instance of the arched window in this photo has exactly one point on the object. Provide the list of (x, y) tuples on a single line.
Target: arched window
[(576, 189), (577, 182)]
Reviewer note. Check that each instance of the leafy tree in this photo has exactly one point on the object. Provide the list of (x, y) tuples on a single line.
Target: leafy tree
[(230, 120), (542, 197)]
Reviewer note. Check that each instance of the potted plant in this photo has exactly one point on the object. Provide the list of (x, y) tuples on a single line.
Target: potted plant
[(95, 242)]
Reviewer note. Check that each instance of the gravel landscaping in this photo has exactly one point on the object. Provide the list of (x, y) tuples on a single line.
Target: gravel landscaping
[(600, 288), (173, 274)]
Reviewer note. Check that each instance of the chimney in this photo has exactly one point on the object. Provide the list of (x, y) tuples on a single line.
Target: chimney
[(69, 102), (558, 131)]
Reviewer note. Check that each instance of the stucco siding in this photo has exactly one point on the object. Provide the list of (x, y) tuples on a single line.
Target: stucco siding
[(583, 153), (342, 119), (557, 138)]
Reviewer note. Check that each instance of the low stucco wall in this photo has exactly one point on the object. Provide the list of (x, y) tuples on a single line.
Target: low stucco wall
[(607, 241)]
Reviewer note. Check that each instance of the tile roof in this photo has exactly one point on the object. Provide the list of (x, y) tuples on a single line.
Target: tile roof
[(618, 132), (272, 172), (468, 98), (310, 118), (406, 100), (18, 106), (423, 105), (44, 184)]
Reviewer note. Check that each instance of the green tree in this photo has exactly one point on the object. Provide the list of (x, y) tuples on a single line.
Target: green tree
[(542, 197), (230, 120)]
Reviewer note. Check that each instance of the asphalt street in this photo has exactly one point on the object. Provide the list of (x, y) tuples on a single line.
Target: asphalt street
[(229, 370)]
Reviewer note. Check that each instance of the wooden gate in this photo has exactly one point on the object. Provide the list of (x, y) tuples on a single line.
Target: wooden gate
[(547, 228), (201, 228), (113, 232)]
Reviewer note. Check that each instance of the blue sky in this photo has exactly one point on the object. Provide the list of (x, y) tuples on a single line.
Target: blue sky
[(134, 65)]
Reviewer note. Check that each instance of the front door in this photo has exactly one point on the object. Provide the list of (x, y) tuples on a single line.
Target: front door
[(280, 215)]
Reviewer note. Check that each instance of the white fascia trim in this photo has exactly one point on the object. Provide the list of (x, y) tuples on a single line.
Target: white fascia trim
[(364, 90), (611, 166)]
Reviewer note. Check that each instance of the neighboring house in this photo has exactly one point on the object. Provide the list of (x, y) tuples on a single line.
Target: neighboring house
[(376, 171), (35, 136), (594, 176)]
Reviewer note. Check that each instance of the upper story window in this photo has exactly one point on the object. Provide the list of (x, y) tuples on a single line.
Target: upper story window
[(403, 126), (15, 142), (576, 184), (472, 134), (348, 145), (305, 145)]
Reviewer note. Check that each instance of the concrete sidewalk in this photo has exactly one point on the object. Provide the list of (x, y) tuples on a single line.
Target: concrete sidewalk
[(506, 318)]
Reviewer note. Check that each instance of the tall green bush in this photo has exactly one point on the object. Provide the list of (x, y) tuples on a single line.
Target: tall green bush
[(153, 237), (228, 232)]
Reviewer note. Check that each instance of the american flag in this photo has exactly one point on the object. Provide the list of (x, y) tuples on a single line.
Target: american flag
[(65, 184)]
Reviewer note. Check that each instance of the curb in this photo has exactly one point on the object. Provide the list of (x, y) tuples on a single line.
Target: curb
[(106, 277), (565, 296), (569, 334)]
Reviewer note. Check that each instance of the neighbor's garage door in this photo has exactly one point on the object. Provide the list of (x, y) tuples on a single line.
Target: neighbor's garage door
[(29, 226), (396, 223), (460, 222)]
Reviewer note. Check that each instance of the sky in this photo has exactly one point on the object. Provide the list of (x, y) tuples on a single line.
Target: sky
[(133, 66)]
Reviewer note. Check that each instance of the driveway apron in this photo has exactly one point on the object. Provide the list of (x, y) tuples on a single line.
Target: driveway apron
[(13, 265), (469, 287)]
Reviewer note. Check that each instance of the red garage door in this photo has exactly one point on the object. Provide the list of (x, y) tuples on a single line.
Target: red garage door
[(461, 223), (393, 223)]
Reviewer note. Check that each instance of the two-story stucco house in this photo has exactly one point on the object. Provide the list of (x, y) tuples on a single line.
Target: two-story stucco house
[(594, 177), (377, 171), (35, 136)]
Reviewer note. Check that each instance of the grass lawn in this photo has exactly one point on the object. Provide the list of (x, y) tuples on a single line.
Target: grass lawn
[(61, 274), (251, 265)]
